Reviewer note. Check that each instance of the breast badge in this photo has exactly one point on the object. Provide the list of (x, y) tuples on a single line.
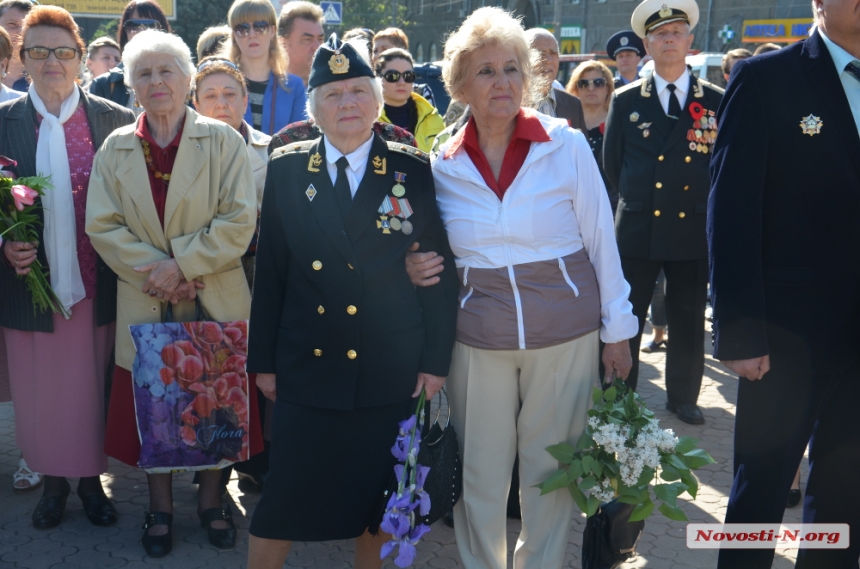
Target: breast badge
[(311, 192), (811, 125), (634, 117)]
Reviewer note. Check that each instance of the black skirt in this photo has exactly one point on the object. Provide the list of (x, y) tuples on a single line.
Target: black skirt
[(327, 471)]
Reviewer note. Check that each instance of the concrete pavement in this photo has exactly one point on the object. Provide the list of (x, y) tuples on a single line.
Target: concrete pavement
[(77, 544)]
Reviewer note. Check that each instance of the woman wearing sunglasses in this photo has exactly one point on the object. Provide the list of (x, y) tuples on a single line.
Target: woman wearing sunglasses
[(276, 98), (138, 15), (404, 107), (592, 83)]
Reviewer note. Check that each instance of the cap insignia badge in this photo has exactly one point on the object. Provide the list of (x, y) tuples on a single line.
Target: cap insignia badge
[(338, 63), (311, 192), (811, 125), (665, 11), (314, 163), (624, 40)]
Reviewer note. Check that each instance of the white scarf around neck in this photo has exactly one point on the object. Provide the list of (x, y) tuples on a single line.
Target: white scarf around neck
[(60, 239)]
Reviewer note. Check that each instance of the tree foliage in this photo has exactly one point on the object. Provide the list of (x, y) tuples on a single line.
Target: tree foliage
[(373, 14), (194, 16)]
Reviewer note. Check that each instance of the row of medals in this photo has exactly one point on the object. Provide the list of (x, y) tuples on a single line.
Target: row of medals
[(394, 222), (704, 133)]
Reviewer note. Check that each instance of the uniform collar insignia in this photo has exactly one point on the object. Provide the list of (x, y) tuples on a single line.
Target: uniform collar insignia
[(379, 165), (698, 91), (647, 85), (314, 162)]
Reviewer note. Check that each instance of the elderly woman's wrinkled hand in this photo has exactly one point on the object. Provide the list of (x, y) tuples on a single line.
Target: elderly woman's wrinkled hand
[(164, 277), (617, 360), (186, 291), (422, 268), (432, 384), (267, 384), (20, 255)]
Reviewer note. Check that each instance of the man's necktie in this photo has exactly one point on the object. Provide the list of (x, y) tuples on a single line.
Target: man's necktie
[(854, 68), (674, 105), (341, 186)]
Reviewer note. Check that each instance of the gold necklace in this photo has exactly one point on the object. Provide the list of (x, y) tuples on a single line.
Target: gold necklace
[(148, 157)]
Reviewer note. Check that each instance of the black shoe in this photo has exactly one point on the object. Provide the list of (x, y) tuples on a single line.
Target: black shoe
[(794, 497), (49, 511), (687, 412), (157, 545), (99, 509), (220, 538), (448, 518)]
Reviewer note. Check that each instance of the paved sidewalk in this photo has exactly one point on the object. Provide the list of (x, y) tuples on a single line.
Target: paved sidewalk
[(77, 544)]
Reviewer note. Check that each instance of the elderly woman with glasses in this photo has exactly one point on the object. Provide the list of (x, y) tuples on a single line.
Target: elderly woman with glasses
[(138, 15), (403, 107), (57, 366), (171, 209), (540, 284), (276, 98), (339, 337), (592, 83)]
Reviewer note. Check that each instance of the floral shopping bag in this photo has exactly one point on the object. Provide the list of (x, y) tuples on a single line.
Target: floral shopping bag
[(191, 394)]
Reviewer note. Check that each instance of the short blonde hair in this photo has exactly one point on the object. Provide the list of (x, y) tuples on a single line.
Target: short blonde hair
[(592, 65), (394, 35), (485, 26), (156, 42), (212, 41), (248, 12)]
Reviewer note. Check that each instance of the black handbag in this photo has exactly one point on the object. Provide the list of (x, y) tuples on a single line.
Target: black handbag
[(609, 538), (441, 452)]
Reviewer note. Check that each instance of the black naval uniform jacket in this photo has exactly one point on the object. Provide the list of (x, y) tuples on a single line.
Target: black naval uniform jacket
[(660, 173), (334, 314)]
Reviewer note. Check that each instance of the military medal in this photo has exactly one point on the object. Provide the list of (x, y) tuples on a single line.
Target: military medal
[(811, 125), (634, 117), (406, 227), (646, 133), (398, 190), (692, 146), (395, 224), (384, 224), (311, 192)]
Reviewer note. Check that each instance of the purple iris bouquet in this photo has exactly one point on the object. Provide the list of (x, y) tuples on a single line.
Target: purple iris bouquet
[(399, 519)]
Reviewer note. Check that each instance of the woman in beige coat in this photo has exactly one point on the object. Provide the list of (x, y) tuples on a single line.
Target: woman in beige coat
[(171, 209)]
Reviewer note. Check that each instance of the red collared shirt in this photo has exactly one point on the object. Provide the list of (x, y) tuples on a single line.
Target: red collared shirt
[(527, 130), (162, 159)]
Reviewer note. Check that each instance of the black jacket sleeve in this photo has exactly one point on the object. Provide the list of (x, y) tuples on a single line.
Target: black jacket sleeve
[(613, 143)]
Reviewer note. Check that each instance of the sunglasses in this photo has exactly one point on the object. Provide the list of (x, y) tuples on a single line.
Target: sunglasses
[(40, 52), (394, 76), (244, 30), (585, 83), (226, 62), (139, 25)]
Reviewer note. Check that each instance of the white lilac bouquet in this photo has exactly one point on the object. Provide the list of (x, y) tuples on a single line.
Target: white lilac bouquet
[(400, 517), (624, 454)]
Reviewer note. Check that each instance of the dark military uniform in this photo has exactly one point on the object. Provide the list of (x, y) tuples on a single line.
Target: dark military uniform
[(335, 316), (660, 166)]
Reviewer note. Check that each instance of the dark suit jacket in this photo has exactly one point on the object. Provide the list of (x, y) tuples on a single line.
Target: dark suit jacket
[(570, 108), (326, 285), (18, 141), (111, 86), (662, 183), (783, 224)]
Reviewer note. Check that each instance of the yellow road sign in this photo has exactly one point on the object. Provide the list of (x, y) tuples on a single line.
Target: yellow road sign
[(107, 8)]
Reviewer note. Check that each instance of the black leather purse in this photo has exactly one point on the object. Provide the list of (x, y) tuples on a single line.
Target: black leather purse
[(609, 538), (441, 452)]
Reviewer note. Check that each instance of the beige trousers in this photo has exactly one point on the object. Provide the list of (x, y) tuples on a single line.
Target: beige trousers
[(505, 402)]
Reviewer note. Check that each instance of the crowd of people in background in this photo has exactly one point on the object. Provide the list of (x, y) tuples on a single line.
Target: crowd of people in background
[(536, 227)]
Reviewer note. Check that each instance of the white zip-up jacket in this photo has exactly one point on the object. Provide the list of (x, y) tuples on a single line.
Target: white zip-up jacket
[(555, 209)]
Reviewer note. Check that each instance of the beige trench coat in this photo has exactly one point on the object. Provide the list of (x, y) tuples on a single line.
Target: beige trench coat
[(209, 219)]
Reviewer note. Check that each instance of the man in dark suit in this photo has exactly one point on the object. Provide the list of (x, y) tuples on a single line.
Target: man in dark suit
[(626, 49), (785, 263), (656, 150), (556, 102)]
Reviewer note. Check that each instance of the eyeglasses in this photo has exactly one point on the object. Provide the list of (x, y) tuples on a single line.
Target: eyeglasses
[(585, 83), (244, 30), (40, 52), (139, 25), (394, 76), (226, 62)]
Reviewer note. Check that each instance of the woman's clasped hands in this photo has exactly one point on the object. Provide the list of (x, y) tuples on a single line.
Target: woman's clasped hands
[(166, 282)]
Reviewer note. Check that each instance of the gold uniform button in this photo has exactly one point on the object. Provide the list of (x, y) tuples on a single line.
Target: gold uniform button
[(682, 215), (351, 354), (320, 309), (687, 159), (657, 213), (351, 310), (316, 265), (318, 353), (686, 188), (659, 185), (660, 158)]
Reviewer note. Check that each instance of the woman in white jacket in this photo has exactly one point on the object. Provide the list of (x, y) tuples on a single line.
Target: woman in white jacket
[(531, 227)]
